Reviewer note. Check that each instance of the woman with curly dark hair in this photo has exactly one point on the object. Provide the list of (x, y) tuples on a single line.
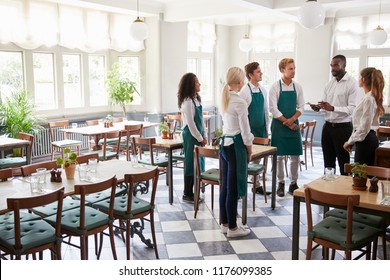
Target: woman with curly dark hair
[(189, 103)]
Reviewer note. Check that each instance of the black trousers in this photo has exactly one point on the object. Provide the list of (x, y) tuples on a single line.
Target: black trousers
[(365, 150), (334, 135)]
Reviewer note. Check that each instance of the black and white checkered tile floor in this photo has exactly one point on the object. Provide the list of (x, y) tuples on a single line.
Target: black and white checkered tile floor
[(180, 236)]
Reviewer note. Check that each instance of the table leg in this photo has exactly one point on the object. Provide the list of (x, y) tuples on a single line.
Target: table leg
[(274, 168), (28, 154), (295, 231), (170, 176)]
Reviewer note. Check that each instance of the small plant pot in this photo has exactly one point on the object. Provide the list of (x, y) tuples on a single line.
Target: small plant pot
[(70, 171), (164, 135), (359, 184)]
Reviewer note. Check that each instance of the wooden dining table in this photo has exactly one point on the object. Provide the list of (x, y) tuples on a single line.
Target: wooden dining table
[(18, 187), (369, 203)]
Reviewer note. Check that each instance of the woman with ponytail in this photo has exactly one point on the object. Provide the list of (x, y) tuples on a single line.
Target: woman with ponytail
[(235, 150), (366, 117)]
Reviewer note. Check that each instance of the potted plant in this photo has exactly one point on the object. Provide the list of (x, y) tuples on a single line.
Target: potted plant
[(120, 89), (164, 129), (68, 163), (18, 114), (217, 134), (359, 176)]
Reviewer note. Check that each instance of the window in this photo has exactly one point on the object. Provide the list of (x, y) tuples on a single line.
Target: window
[(72, 81), (130, 68), (11, 72), (202, 69), (352, 67), (382, 63), (44, 86), (97, 68)]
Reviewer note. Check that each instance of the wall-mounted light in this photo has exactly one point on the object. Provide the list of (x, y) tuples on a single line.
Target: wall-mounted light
[(139, 29), (378, 36), (311, 14)]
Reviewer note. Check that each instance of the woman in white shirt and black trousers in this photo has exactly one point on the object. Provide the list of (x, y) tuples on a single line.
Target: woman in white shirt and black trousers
[(365, 117), (189, 103), (235, 150)]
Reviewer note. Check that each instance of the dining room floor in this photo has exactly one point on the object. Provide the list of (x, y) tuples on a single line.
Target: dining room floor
[(180, 236)]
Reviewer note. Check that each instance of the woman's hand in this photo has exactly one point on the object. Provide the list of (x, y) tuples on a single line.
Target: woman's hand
[(204, 142), (347, 147), (249, 151), (293, 127)]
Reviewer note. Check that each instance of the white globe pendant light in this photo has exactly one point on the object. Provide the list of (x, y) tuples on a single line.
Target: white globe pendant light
[(378, 36), (311, 14), (245, 44), (139, 29)]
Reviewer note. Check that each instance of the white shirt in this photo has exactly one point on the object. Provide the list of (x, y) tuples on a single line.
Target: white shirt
[(364, 119), (188, 115), (343, 96), (245, 93), (235, 120), (274, 93)]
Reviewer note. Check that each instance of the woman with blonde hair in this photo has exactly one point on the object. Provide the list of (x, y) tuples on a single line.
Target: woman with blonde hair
[(235, 151), (365, 118)]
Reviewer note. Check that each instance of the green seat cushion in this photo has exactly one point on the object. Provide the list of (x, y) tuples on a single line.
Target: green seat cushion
[(95, 197), (110, 141), (138, 205), (161, 161), (371, 220), (178, 155), (210, 174), (66, 143), (255, 168), (71, 220), (334, 230), (24, 217), (33, 233), (51, 209), (12, 161)]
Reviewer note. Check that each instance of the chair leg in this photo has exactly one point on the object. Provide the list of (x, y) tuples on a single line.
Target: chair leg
[(128, 229), (264, 188), (311, 154), (309, 248), (374, 248), (305, 156), (254, 192), (153, 234), (112, 241), (83, 247), (212, 197), (384, 246), (196, 198)]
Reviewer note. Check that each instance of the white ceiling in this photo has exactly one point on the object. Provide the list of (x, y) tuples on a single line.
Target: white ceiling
[(232, 12)]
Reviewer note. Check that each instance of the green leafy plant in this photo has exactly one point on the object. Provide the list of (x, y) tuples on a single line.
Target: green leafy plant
[(358, 170), (18, 114), (69, 158), (120, 89), (164, 127), (218, 132)]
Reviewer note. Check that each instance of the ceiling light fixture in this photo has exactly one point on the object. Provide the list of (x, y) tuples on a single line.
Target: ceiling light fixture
[(139, 29), (311, 14), (245, 43), (378, 36)]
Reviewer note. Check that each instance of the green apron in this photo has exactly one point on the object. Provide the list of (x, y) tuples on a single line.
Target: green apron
[(287, 141), (189, 143), (241, 162), (257, 115)]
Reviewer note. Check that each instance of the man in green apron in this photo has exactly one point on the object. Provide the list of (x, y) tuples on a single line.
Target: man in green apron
[(286, 104), (256, 97)]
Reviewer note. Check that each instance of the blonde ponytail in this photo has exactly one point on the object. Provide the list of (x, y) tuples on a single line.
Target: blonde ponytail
[(233, 76)]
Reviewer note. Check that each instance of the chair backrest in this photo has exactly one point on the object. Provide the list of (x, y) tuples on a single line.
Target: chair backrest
[(91, 122), (57, 124), (84, 158), (383, 131), (16, 204), (132, 179), (117, 119), (204, 152), (28, 137), (131, 130), (261, 141), (144, 144), (379, 172), (347, 201), (173, 121), (382, 157), (111, 135), (5, 174), (32, 168), (309, 129), (84, 190)]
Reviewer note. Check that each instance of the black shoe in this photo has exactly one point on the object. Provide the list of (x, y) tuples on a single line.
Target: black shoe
[(280, 190), (292, 188), (260, 190), (188, 198)]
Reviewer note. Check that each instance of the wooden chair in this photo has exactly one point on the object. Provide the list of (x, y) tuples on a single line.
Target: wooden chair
[(108, 151), (175, 123), (147, 154), (382, 157), (256, 169), (210, 176), (27, 170), (5, 174), (58, 143), (117, 119), (91, 140), (21, 237), (307, 141), (84, 158), (20, 160), (132, 206), (91, 122), (84, 220), (337, 233), (371, 220), (126, 145)]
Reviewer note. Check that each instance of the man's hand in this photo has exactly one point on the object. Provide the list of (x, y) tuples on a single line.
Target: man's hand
[(315, 107), (326, 106)]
